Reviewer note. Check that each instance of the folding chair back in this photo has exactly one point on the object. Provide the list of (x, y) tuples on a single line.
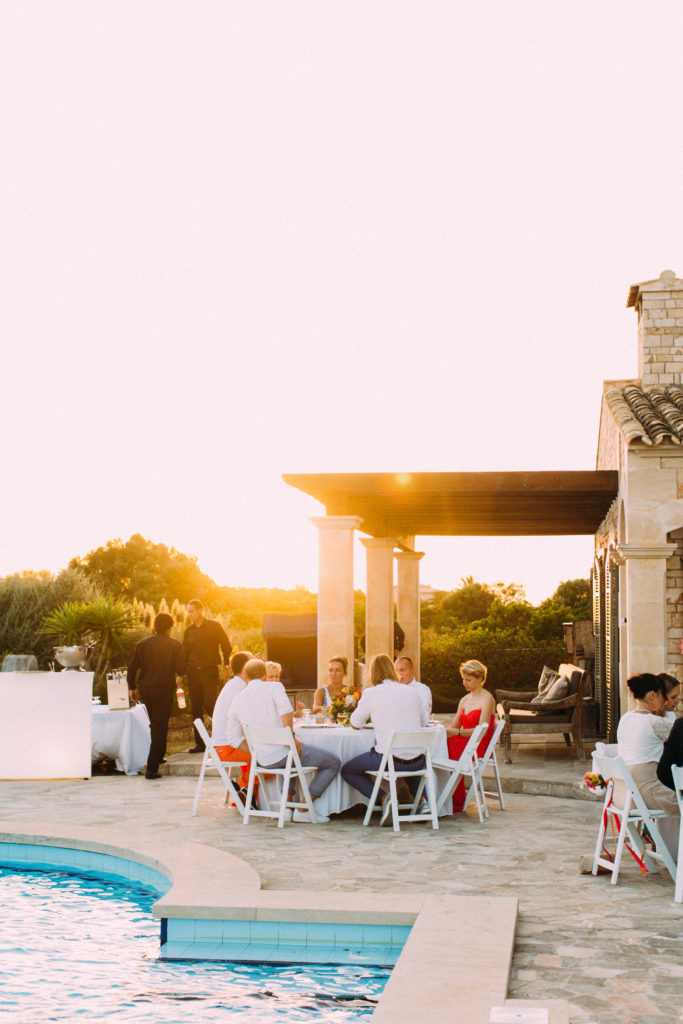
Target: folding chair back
[(293, 770), (464, 767), (224, 769), (488, 758), (424, 741), (631, 814), (677, 772)]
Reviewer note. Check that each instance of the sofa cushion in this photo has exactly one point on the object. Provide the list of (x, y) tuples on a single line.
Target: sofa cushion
[(574, 683), (548, 676), (558, 690)]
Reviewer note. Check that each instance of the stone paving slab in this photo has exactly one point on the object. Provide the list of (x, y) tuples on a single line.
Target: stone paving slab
[(614, 952)]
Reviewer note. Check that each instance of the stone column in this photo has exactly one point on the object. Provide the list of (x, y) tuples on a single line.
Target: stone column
[(645, 611), (408, 602), (335, 589), (379, 597)]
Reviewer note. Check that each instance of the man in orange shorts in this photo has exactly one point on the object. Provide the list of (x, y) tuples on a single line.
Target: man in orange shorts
[(219, 721)]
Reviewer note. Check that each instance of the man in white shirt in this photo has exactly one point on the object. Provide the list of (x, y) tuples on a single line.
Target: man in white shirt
[(265, 704), (405, 674), (219, 720), (393, 707)]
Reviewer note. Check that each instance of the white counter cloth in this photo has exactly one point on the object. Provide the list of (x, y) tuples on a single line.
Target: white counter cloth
[(122, 735), (345, 743)]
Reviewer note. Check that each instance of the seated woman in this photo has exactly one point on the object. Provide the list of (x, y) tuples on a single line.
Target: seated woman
[(336, 677), (475, 708), (640, 738), (673, 693)]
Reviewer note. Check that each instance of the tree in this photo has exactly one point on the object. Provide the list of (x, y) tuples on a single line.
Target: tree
[(146, 571), (469, 602), (575, 595), (26, 599)]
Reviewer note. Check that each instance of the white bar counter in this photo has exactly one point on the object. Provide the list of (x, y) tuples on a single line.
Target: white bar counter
[(47, 725)]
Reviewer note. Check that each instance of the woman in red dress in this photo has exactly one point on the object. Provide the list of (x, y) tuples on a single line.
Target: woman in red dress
[(475, 708)]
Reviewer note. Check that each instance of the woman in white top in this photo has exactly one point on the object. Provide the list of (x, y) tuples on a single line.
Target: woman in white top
[(640, 738)]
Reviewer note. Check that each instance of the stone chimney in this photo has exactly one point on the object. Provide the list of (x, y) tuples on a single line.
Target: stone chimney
[(659, 305)]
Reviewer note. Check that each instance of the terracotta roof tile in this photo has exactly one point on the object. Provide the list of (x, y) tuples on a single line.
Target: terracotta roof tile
[(649, 415)]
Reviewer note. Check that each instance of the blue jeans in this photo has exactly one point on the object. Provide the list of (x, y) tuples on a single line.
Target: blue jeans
[(354, 771), (313, 757)]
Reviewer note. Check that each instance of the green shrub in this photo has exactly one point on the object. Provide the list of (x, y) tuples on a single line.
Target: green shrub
[(26, 599), (513, 662)]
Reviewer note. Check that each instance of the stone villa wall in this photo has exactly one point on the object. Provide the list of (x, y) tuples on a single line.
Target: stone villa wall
[(674, 610)]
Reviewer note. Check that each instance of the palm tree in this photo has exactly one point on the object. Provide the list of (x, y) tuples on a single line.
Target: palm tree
[(110, 622), (67, 623)]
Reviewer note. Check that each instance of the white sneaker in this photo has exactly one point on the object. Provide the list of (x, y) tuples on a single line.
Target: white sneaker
[(386, 815), (306, 816)]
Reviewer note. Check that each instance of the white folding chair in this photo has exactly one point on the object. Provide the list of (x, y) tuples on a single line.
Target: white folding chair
[(488, 758), (677, 772), (224, 768), (464, 767), (424, 741), (293, 770), (629, 815)]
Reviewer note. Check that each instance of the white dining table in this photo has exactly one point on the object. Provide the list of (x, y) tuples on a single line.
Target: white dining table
[(345, 743), (121, 734)]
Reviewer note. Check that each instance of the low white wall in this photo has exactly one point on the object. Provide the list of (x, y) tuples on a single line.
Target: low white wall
[(46, 719)]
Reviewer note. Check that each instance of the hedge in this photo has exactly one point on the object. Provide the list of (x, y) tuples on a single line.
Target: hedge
[(511, 665)]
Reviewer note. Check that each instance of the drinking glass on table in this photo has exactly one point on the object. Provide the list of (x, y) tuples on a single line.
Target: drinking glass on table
[(343, 717), (306, 714)]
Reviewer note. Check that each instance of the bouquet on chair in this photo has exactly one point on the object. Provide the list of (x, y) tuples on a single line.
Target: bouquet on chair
[(344, 704), (594, 782)]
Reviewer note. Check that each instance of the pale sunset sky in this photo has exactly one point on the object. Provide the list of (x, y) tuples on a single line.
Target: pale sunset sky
[(246, 239)]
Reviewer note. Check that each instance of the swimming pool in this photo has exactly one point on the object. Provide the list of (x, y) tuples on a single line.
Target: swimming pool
[(72, 947)]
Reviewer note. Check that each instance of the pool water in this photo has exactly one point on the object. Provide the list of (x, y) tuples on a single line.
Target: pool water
[(76, 948)]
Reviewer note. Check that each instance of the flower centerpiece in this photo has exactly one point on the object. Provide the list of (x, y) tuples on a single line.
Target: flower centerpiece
[(345, 702), (594, 782)]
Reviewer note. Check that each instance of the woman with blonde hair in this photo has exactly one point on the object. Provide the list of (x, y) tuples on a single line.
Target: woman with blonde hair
[(477, 707)]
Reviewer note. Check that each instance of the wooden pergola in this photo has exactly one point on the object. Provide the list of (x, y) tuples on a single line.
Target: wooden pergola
[(394, 508)]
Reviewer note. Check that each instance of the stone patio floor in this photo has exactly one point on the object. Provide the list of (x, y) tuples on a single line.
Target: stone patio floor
[(614, 952)]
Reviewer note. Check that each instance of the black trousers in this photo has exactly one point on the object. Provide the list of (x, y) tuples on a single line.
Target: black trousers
[(159, 703), (203, 686)]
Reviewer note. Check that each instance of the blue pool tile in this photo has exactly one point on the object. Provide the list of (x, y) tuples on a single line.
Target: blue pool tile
[(236, 931), (399, 934), (348, 934), (320, 954), (205, 950), (292, 933), (319, 934), (295, 954), (177, 950), (12, 853), (208, 930), (377, 934), (260, 951), (264, 931), (180, 928)]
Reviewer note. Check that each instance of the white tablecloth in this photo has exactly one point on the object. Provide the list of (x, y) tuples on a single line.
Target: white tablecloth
[(345, 743), (122, 735)]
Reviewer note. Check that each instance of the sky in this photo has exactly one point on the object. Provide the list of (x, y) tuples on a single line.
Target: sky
[(242, 240)]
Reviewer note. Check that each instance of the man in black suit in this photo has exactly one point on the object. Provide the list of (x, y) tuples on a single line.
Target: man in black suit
[(202, 640), (152, 672)]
